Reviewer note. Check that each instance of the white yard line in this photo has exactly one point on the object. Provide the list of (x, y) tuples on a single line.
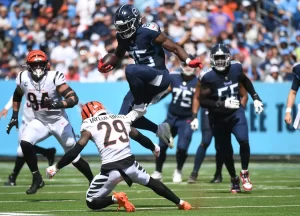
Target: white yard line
[(161, 198)]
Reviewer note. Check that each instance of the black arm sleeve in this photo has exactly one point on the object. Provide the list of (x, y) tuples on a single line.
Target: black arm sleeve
[(69, 156), (143, 140), (295, 83), (17, 96), (248, 86)]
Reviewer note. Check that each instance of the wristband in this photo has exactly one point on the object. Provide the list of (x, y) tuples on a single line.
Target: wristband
[(187, 61), (15, 114), (288, 110), (194, 115)]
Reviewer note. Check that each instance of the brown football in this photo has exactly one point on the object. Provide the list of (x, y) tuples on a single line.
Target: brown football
[(110, 59)]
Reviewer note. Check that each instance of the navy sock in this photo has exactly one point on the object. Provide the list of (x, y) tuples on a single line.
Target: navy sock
[(200, 155), (162, 157), (181, 156), (18, 166)]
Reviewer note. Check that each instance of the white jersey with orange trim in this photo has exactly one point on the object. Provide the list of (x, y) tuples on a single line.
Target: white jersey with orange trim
[(110, 133), (37, 92)]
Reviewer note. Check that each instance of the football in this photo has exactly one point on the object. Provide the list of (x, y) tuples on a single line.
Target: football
[(110, 59)]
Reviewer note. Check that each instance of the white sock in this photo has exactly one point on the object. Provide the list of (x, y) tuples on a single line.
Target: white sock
[(114, 199), (181, 202)]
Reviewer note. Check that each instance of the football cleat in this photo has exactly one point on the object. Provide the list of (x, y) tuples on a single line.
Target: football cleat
[(184, 206), (11, 181), (164, 132), (157, 175), (123, 201), (37, 183), (235, 185), (247, 185), (177, 176), (51, 156), (217, 179), (193, 178)]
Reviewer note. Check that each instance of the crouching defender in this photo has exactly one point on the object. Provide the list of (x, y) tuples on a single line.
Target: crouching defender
[(111, 136)]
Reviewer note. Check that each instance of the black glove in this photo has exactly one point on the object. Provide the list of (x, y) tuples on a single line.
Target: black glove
[(13, 122), (53, 104)]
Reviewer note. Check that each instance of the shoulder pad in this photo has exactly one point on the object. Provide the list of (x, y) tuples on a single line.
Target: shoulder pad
[(203, 73), (235, 62), (296, 70), (152, 26)]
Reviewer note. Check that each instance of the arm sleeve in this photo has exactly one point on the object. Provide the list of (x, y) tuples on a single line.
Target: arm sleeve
[(248, 86), (9, 103), (295, 83)]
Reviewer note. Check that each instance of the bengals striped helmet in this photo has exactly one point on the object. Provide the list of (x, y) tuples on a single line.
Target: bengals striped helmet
[(37, 64), (91, 109)]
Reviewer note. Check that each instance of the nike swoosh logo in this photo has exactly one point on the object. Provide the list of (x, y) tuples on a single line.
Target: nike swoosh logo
[(167, 139)]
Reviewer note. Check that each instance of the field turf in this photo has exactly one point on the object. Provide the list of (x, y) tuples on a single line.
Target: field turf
[(276, 192)]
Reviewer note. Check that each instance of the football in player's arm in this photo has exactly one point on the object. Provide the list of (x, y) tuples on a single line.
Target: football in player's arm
[(292, 96), (110, 134)]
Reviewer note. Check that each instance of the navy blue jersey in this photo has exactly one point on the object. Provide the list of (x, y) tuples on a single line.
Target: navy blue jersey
[(140, 47), (296, 79), (182, 95), (222, 86)]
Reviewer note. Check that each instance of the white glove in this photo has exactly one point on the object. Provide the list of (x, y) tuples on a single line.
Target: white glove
[(51, 171), (258, 106), (232, 103), (195, 124), (156, 151)]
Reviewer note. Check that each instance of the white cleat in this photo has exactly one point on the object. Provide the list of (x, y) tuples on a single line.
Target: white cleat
[(244, 175), (177, 176), (157, 175), (164, 132)]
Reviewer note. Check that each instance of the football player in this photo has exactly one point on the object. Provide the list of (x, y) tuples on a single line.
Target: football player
[(26, 118), (111, 134), (148, 78), (179, 117), (292, 96), (206, 140), (44, 90), (218, 88)]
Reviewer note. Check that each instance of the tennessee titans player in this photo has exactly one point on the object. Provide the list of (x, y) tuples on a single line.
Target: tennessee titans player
[(205, 142), (218, 88), (179, 117), (148, 78)]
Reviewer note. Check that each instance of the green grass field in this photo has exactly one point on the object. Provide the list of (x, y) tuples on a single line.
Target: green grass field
[(276, 192)]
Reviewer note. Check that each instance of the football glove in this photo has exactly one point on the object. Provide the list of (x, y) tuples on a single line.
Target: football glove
[(51, 171), (195, 124), (258, 106), (232, 103), (194, 63), (156, 151), (103, 68), (51, 104), (13, 122)]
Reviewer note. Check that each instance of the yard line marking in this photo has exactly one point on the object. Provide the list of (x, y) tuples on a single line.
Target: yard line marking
[(162, 208), (16, 213), (161, 198)]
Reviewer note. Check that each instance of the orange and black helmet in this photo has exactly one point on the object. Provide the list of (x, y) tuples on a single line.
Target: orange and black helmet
[(93, 108), (37, 64)]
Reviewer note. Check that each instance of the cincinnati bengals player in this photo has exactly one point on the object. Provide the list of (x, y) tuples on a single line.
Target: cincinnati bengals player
[(44, 90), (111, 134)]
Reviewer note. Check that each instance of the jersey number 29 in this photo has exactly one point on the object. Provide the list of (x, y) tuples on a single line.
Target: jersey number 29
[(117, 126)]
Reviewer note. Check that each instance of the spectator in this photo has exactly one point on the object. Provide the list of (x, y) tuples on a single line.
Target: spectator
[(273, 75), (72, 74)]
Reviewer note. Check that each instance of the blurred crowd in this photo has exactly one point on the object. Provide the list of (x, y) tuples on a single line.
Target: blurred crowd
[(76, 33)]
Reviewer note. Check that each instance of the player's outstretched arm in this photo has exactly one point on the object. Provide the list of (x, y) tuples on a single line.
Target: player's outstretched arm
[(196, 106), (144, 141), (70, 155), (290, 102), (17, 98), (169, 45), (71, 98), (8, 105)]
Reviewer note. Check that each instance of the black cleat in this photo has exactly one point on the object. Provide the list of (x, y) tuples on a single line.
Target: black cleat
[(51, 156), (217, 179), (11, 181), (37, 183), (193, 178), (235, 185)]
